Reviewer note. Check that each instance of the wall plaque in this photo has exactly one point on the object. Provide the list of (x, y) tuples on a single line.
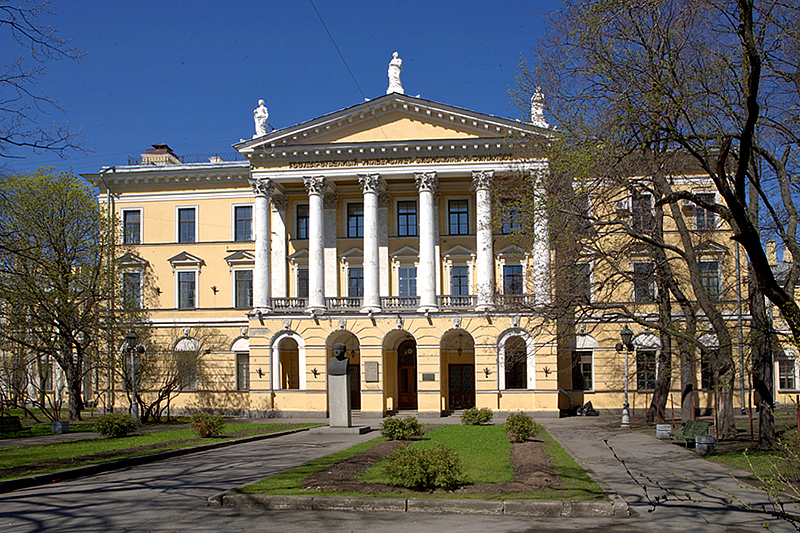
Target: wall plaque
[(371, 371), (428, 376)]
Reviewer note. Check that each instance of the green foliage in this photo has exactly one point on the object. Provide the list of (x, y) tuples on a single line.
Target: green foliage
[(789, 451), (207, 425), (477, 417), (115, 425), (425, 469), (520, 427), (400, 428)]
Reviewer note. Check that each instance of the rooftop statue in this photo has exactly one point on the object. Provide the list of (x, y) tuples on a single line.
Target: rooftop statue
[(260, 115), (537, 109), (395, 68)]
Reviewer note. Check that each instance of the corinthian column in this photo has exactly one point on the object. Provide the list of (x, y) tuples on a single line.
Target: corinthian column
[(426, 275), (316, 264), (481, 182), (370, 183), (261, 273), (541, 245)]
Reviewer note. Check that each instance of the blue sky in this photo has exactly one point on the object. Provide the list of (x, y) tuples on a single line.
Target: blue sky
[(190, 73)]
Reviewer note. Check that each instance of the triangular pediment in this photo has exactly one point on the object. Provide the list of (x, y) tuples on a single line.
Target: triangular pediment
[(512, 251), (131, 260), (406, 252), (185, 259), (240, 257), (458, 252), (393, 118), (710, 247)]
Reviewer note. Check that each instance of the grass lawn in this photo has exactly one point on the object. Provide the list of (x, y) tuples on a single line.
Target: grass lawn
[(485, 454), (38, 458)]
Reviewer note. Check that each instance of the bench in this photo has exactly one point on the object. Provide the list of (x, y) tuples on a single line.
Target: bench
[(691, 429), (10, 425)]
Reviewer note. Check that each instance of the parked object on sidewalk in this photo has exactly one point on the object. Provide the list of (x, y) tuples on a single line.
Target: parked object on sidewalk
[(663, 431), (705, 444), (587, 410), (692, 429), (60, 426)]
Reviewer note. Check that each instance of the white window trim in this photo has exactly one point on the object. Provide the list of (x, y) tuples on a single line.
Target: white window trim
[(141, 222), (530, 344), (139, 271), (513, 260), (717, 219), (234, 270), (633, 262), (448, 269), (295, 219), (787, 357), (276, 360), (345, 210), (178, 223), (470, 217), (233, 221), (396, 203), (587, 343), (237, 381), (176, 273)]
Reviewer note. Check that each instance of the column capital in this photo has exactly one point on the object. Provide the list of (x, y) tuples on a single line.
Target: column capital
[(482, 179), (261, 187), (278, 201), (314, 184), (426, 181), (383, 198), (330, 200), (370, 183)]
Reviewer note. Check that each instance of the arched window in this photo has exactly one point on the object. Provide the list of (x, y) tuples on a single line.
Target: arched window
[(516, 355), (289, 364)]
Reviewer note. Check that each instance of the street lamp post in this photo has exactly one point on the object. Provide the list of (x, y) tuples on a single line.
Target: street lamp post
[(132, 349), (627, 337)]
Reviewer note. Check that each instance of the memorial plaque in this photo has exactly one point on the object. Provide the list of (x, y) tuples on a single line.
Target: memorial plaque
[(371, 371), (428, 376)]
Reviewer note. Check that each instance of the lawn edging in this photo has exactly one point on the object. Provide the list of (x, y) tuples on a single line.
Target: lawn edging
[(117, 464), (616, 508)]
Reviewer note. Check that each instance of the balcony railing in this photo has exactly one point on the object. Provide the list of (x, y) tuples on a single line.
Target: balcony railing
[(515, 301), (343, 303), (448, 302), (464, 301), (399, 303), (289, 304)]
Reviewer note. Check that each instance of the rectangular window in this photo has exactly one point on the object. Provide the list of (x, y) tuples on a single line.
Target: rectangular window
[(186, 369), (709, 277), (703, 218), (302, 221), (706, 370), (302, 283), (355, 220), (511, 218), (132, 290), (459, 281), (787, 374), (408, 281), (581, 370), (243, 220), (186, 290), (458, 217), (642, 213), (512, 279), (644, 288), (407, 219), (355, 282), (583, 282), (132, 222), (646, 370), (242, 371), (186, 225), (243, 281)]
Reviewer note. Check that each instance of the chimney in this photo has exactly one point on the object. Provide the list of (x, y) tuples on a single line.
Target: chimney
[(160, 154), (771, 259)]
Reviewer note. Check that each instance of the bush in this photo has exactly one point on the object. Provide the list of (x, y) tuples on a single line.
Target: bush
[(476, 417), (425, 469), (115, 424), (206, 425), (789, 453), (400, 428), (520, 427)]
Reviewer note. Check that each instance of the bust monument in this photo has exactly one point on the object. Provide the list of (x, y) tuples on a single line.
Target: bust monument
[(260, 116), (338, 364), (395, 68)]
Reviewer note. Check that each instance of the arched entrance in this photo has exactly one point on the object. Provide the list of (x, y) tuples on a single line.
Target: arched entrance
[(400, 370), (353, 350), (457, 351)]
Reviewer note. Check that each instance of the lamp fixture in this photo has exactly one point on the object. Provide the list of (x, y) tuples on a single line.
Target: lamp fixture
[(260, 372), (315, 371), (487, 371), (214, 288)]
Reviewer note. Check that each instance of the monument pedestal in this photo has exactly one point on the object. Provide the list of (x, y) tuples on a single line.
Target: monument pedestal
[(339, 401)]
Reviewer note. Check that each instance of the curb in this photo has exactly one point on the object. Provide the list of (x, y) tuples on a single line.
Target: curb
[(118, 464), (616, 508)]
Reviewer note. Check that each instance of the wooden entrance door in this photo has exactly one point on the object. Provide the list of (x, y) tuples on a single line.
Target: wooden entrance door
[(407, 375), (355, 386), (462, 386)]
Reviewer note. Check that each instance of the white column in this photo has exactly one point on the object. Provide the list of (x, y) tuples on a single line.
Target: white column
[(481, 181), (330, 203), (316, 265), (383, 242), (370, 183), (426, 282), (261, 221), (280, 279), (541, 245)]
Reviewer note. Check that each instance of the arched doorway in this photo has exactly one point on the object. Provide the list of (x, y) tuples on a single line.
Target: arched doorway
[(457, 350), (353, 351), (407, 374)]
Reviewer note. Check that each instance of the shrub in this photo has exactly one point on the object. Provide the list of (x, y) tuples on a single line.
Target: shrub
[(425, 469), (400, 428), (789, 453), (115, 424), (476, 417), (206, 425), (520, 427)]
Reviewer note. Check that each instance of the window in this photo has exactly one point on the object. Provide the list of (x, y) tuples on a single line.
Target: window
[(516, 363), (512, 279), (302, 283), (707, 369), (132, 290), (186, 228), (646, 369), (787, 374), (458, 217), (511, 218), (243, 222), (302, 221), (644, 288), (186, 290), (642, 213), (407, 219), (581, 370), (242, 371), (709, 277), (355, 282), (408, 281), (243, 288), (459, 281), (704, 219), (583, 282), (355, 220), (289, 364), (186, 368), (132, 231)]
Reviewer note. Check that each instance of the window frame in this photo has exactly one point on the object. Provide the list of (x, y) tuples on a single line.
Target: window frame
[(505, 283), (646, 374), (359, 218), (137, 303), (242, 377), (510, 217), (412, 281), (235, 224), (779, 374), (466, 213), (642, 220), (350, 278), (708, 218), (467, 285), (195, 303), (125, 212), (301, 223), (578, 363), (705, 279), (508, 369), (583, 286), (179, 223), (635, 285), (235, 292), (406, 225)]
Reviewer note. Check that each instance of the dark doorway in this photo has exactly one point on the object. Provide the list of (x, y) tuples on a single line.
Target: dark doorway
[(407, 374), (355, 386), (462, 386)]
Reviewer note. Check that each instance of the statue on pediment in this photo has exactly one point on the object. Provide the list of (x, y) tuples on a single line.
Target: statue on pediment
[(395, 68), (260, 116)]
